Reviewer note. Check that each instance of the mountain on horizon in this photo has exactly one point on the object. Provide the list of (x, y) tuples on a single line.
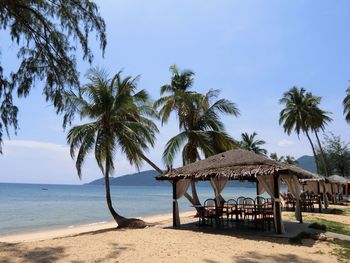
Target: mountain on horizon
[(308, 163), (147, 178)]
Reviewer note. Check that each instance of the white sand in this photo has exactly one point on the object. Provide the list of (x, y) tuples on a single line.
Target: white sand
[(98, 243)]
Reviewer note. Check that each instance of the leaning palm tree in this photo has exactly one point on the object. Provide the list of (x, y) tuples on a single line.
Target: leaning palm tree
[(346, 103), (302, 114), (295, 114), (250, 143), (118, 121)]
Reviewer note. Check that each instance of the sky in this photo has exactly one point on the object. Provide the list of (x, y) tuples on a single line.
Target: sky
[(253, 51)]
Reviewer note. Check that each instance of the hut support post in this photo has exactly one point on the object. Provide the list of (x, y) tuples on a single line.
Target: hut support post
[(174, 204), (257, 187), (301, 213), (319, 197), (277, 204)]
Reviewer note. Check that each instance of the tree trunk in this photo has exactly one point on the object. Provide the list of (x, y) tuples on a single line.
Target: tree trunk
[(323, 157), (120, 220), (154, 166), (313, 150)]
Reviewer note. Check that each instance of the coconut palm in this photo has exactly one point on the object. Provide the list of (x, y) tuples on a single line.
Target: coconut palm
[(302, 114), (346, 103), (294, 115), (118, 117), (290, 160), (201, 129), (250, 143), (275, 157)]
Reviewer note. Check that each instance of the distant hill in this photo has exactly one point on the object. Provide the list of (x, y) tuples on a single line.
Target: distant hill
[(147, 178), (308, 163)]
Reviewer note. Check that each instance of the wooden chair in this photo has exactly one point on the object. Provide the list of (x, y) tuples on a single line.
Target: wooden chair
[(232, 209), (249, 209), (268, 215)]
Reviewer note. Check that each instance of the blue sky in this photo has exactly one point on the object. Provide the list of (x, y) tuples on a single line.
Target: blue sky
[(252, 50)]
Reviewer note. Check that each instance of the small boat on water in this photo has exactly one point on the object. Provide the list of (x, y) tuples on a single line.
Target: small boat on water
[(44, 189)]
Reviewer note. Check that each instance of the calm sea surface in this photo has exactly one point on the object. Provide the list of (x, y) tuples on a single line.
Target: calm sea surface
[(28, 207)]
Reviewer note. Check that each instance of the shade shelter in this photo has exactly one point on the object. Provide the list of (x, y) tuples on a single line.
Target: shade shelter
[(338, 182), (317, 185), (239, 165)]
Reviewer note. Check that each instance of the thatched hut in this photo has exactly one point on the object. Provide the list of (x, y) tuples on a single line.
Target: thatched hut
[(319, 186), (340, 183), (239, 165)]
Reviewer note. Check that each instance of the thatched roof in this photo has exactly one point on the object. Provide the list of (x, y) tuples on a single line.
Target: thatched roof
[(338, 179), (316, 178), (236, 165)]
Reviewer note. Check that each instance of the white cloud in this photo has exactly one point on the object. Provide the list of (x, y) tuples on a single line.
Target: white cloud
[(285, 143), (36, 145)]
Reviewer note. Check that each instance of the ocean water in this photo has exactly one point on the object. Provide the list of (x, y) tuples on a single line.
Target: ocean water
[(29, 207)]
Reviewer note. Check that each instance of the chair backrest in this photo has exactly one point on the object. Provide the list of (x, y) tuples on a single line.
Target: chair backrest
[(231, 202), (248, 201), (240, 200), (209, 203), (259, 200)]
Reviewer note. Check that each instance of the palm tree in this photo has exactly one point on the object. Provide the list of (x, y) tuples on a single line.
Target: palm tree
[(290, 160), (275, 157), (346, 103), (251, 144), (118, 121), (302, 114), (294, 115), (201, 130)]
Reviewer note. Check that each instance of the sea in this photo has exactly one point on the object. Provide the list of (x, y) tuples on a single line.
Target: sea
[(35, 207)]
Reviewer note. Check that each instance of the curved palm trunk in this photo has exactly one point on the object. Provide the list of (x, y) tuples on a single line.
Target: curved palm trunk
[(313, 150), (118, 218), (323, 157)]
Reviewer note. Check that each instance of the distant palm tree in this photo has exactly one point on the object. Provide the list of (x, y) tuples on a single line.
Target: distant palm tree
[(201, 130), (250, 143), (290, 160), (118, 121), (346, 103), (302, 114), (275, 157)]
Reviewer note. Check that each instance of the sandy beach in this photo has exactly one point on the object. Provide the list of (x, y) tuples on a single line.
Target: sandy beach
[(103, 243)]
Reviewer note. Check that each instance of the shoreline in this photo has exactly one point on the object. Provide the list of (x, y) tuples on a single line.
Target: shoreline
[(38, 235)]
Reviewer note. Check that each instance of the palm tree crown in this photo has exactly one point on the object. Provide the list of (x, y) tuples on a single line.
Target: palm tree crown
[(251, 144), (201, 130)]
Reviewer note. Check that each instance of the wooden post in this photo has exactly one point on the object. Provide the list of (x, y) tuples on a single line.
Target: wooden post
[(319, 197), (174, 203), (277, 204), (301, 213), (257, 187)]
